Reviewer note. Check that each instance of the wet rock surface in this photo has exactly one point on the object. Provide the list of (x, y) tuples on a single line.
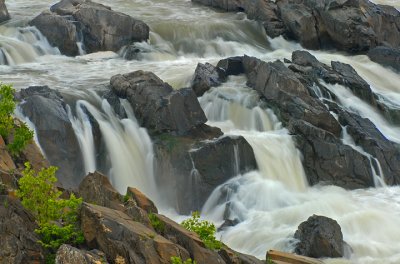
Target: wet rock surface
[(55, 133), (319, 237), (97, 26), (4, 15), (389, 57)]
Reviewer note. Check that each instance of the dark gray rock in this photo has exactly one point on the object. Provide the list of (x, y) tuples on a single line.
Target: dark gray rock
[(157, 106), (18, 239), (59, 30), (205, 77), (386, 56), (96, 25), (327, 160), (67, 254), (55, 133), (188, 166), (4, 15), (231, 66), (319, 237)]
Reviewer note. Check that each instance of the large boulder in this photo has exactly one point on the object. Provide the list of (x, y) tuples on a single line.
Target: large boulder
[(319, 237), (18, 239), (188, 166), (65, 37), (157, 106), (55, 132), (123, 239), (67, 254), (205, 77), (386, 56), (97, 26), (4, 15)]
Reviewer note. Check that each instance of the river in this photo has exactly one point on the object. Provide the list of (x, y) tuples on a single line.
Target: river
[(271, 202)]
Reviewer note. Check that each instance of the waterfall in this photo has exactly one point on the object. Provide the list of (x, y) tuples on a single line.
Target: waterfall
[(20, 45)]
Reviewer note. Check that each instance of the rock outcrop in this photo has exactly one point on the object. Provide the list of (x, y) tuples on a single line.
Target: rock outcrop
[(386, 56), (97, 26), (319, 237), (55, 133), (67, 254), (18, 239), (352, 26), (4, 15), (205, 77), (157, 106)]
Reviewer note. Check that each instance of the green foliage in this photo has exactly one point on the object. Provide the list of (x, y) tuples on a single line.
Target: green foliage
[(178, 260), (156, 223), (270, 261), (205, 229), (57, 218), (22, 134)]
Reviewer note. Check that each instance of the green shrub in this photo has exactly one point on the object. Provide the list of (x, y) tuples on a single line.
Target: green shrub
[(156, 223), (57, 218), (205, 229), (178, 260), (22, 134)]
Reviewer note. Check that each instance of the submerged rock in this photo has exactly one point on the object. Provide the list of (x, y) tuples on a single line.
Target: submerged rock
[(319, 237), (97, 26), (4, 15)]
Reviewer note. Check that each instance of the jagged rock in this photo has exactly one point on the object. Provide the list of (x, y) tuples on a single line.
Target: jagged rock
[(327, 160), (287, 94), (366, 135), (18, 239), (4, 15), (141, 200), (386, 56), (96, 25), (6, 162), (188, 166), (96, 188), (319, 237), (118, 236), (55, 133), (205, 77), (65, 35), (157, 106), (67, 254), (231, 66)]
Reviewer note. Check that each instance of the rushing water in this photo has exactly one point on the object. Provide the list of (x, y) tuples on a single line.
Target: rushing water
[(271, 202)]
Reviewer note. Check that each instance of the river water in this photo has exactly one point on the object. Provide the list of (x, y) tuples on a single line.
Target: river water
[(271, 202)]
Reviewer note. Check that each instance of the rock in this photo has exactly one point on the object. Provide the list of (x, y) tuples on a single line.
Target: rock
[(55, 133), (67, 254), (4, 15), (96, 188), (287, 95), (205, 77), (6, 161), (327, 160), (65, 37), (386, 56), (96, 25), (119, 237), (319, 237), (288, 258), (141, 200), (18, 239), (157, 106), (188, 166), (366, 135), (231, 66)]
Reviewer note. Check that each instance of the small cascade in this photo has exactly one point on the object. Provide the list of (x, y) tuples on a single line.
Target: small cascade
[(377, 173), (129, 147), (19, 45)]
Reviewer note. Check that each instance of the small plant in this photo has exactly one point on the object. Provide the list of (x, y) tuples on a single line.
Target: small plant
[(178, 260), (270, 261), (156, 223), (205, 229), (21, 133), (57, 218)]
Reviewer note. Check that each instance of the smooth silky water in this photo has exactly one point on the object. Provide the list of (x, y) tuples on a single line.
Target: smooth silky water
[(271, 202)]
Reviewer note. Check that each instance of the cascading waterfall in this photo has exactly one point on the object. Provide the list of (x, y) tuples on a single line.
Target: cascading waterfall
[(269, 203)]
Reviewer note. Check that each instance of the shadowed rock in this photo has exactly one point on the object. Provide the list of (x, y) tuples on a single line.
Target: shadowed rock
[(386, 56), (4, 15)]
